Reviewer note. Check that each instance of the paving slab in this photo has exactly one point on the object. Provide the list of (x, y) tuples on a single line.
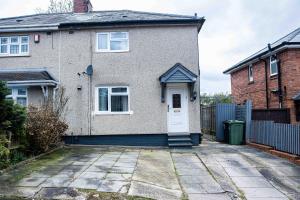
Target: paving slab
[(236, 171), (86, 183), (59, 193), (57, 182), (118, 177), (254, 182), (114, 186), (262, 193), (122, 170), (125, 164), (31, 181), (209, 197), (96, 175), (153, 191)]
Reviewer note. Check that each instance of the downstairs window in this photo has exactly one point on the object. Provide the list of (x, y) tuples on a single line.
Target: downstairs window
[(114, 100), (18, 95)]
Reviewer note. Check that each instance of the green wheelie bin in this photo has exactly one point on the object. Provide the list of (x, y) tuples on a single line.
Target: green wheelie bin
[(234, 132)]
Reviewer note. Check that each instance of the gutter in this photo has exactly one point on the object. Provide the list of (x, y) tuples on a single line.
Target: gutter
[(265, 54), (32, 83)]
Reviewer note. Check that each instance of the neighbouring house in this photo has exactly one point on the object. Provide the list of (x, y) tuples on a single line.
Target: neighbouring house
[(270, 77), (132, 77)]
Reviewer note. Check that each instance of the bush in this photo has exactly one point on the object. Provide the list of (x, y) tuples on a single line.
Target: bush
[(4, 152), (45, 125)]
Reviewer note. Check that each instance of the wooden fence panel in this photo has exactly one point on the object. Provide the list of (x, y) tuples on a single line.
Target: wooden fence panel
[(278, 115), (283, 137)]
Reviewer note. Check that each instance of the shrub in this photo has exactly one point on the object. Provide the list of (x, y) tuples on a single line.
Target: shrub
[(45, 125), (4, 152)]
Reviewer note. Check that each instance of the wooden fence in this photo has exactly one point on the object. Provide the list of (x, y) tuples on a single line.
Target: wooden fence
[(282, 137), (208, 119), (278, 115)]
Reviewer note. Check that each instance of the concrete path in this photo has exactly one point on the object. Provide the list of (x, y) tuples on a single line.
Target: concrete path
[(210, 171), (155, 176)]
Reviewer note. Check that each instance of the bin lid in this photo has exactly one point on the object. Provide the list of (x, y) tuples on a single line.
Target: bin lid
[(234, 122)]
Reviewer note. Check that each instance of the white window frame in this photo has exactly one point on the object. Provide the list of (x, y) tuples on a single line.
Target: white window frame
[(14, 94), (19, 43), (271, 62), (250, 76), (109, 40), (97, 112)]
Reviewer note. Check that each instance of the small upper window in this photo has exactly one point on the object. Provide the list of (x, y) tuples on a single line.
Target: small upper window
[(250, 73), (112, 42), (14, 45), (273, 66)]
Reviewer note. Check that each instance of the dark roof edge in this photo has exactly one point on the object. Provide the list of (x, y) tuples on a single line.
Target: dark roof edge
[(198, 21), (228, 71)]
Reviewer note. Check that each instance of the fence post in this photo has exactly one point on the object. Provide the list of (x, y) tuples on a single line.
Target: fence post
[(248, 119)]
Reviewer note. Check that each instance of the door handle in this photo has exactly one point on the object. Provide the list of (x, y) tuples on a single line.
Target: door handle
[(168, 108)]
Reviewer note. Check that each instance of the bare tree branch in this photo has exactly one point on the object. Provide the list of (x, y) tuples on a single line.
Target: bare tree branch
[(57, 6)]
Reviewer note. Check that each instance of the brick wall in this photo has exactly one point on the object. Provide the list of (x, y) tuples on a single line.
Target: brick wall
[(82, 6), (242, 89)]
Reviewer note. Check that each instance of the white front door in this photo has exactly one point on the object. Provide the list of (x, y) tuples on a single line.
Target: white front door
[(177, 99)]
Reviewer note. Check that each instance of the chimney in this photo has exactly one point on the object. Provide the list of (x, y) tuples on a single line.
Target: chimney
[(82, 6)]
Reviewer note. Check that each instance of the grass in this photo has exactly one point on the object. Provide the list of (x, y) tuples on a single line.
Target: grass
[(50, 159)]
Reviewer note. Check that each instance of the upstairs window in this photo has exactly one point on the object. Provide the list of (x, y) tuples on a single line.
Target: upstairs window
[(112, 42), (273, 66), (18, 95), (14, 45), (250, 73), (112, 100)]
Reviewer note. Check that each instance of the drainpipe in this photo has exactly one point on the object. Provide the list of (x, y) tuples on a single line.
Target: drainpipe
[(267, 84), (280, 96)]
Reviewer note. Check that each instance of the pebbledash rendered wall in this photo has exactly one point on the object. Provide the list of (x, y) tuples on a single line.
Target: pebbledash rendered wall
[(152, 51)]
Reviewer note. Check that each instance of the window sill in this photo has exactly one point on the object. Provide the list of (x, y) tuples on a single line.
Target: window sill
[(114, 113), (21, 55), (273, 76), (250, 82), (121, 51)]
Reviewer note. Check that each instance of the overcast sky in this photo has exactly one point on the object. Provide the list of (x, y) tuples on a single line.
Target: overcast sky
[(234, 29)]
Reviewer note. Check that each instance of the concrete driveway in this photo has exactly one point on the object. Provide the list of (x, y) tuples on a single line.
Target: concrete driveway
[(210, 171)]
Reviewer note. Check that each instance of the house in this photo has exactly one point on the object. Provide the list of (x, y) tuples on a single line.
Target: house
[(132, 77), (270, 77)]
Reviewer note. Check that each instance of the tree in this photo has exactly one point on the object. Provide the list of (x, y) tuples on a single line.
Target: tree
[(12, 116), (206, 99), (57, 6)]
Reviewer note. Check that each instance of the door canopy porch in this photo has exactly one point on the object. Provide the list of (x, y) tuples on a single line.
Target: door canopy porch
[(178, 74)]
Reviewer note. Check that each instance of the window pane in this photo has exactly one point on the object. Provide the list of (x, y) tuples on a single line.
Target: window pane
[(103, 99), (119, 103), (24, 39), (119, 89), (274, 68), (14, 39), (176, 100), (3, 49), (102, 41), (22, 101), (14, 49), (21, 91), (119, 35), (119, 45), (24, 48), (4, 40)]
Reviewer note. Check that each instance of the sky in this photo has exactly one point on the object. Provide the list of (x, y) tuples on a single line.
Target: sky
[(234, 29)]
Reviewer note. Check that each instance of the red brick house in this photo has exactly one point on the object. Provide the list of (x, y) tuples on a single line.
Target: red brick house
[(270, 77)]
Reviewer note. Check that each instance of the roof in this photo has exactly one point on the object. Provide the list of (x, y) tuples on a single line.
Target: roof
[(27, 77), (296, 97), (292, 38), (62, 20), (178, 74)]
